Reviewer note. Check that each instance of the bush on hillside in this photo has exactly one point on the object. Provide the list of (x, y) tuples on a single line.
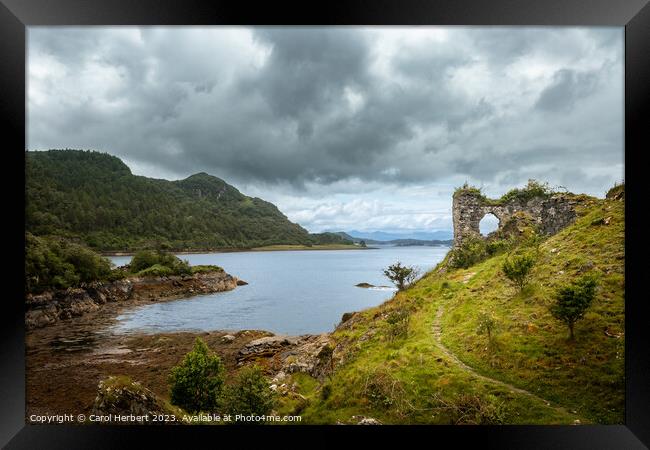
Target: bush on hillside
[(401, 276), (197, 383), (472, 409), (156, 270), (497, 246), (146, 259), (486, 324), (573, 300), (517, 269), (472, 251), (250, 394), (398, 323), (384, 391), (202, 268)]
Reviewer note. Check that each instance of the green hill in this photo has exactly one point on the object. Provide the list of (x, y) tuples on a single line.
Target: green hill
[(94, 197), (419, 357)]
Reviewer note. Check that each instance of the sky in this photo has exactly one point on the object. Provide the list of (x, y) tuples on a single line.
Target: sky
[(343, 128)]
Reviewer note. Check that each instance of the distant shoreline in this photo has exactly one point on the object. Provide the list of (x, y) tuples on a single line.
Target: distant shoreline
[(270, 248)]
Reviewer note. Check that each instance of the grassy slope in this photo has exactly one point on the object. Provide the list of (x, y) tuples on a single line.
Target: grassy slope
[(410, 380)]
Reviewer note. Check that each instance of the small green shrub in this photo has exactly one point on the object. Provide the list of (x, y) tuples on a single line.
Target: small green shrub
[(496, 246), (206, 268), (398, 323), (532, 190), (401, 276), (573, 300), (535, 242), (250, 394), (197, 383), (471, 409), (384, 391), (486, 324), (117, 274), (466, 188), (146, 259), (517, 269), (156, 271), (472, 251)]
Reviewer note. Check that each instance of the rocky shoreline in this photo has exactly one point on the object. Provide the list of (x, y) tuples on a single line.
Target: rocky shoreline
[(52, 306), (73, 355)]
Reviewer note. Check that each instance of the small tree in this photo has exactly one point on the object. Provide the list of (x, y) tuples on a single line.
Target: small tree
[(517, 269), (573, 300), (250, 394), (486, 324), (197, 383), (401, 276)]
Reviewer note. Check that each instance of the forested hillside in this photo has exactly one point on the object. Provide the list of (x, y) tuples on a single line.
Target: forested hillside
[(95, 198)]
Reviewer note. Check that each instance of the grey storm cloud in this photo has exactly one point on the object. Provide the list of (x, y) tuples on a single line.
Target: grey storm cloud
[(567, 88), (299, 106)]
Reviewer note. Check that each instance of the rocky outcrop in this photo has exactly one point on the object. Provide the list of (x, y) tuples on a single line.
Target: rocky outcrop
[(182, 285), (312, 354), (120, 396), (362, 420), (52, 306)]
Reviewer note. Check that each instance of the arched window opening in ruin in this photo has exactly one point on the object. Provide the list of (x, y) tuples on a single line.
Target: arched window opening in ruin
[(488, 224)]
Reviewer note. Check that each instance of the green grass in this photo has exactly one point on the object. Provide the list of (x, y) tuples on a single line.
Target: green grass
[(410, 380), (203, 268)]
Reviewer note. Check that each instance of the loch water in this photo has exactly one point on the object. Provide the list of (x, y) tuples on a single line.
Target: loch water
[(289, 292)]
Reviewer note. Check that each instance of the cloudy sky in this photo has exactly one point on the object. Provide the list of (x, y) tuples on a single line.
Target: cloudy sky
[(343, 128)]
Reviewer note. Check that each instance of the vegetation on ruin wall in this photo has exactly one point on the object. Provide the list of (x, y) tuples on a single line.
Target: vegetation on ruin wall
[(533, 189), (405, 377), (95, 198)]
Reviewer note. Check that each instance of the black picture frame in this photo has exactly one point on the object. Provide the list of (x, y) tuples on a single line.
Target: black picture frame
[(634, 15)]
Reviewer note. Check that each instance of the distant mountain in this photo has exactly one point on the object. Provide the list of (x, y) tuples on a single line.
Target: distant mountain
[(441, 235), (410, 242), (395, 242), (93, 197)]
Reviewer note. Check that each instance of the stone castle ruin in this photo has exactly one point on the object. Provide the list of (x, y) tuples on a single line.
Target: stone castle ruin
[(549, 213)]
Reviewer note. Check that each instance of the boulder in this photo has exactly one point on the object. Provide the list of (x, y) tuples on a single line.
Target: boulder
[(362, 420), (268, 345), (227, 338), (313, 355), (347, 316), (119, 395)]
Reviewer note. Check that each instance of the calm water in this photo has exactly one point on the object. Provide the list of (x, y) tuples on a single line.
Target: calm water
[(289, 292)]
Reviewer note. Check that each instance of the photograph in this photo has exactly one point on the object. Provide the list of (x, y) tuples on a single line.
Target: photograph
[(325, 225)]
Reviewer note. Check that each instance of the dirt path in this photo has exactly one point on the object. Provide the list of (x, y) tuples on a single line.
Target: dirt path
[(437, 332)]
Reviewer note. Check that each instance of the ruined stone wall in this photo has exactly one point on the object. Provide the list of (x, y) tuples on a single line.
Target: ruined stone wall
[(550, 214)]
